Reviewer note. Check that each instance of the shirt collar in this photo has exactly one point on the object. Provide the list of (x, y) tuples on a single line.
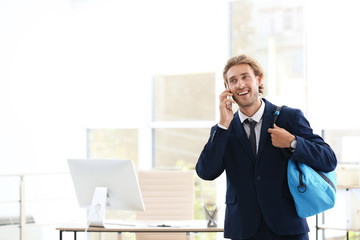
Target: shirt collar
[(257, 116)]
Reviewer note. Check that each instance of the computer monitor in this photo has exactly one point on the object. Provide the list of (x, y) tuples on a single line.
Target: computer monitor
[(105, 184)]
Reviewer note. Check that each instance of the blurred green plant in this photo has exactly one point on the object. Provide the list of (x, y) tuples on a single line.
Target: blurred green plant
[(354, 236)]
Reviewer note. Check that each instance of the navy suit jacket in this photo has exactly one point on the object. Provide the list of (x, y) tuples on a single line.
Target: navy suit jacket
[(258, 184)]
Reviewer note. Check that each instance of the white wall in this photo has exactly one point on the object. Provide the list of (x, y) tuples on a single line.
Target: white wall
[(68, 65)]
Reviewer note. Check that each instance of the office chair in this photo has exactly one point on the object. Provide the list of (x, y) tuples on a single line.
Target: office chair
[(168, 195)]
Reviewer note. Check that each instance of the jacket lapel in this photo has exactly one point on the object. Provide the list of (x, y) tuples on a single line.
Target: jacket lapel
[(266, 124), (241, 134)]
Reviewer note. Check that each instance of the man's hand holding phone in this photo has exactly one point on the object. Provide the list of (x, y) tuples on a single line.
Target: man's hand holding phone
[(226, 113)]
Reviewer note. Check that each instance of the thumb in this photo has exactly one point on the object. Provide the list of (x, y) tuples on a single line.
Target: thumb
[(275, 126)]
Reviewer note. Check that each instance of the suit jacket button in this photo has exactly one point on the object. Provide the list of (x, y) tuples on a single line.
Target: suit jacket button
[(258, 178)]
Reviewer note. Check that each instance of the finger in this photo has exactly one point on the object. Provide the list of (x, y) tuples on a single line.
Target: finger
[(226, 91), (227, 101), (229, 105), (226, 104), (275, 126), (231, 100), (225, 94)]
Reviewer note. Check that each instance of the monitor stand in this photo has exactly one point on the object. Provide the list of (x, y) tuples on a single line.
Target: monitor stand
[(96, 215)]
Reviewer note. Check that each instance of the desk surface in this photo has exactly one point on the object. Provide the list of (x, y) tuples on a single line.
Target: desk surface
[(142, 226)]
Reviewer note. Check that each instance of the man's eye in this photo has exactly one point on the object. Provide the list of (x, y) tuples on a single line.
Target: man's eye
[(245, 77), (232, 80)]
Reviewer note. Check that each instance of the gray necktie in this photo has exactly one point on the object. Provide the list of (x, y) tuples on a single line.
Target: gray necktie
[(252, 136)]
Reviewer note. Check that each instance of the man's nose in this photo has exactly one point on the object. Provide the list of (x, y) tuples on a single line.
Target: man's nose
[(240, 84)]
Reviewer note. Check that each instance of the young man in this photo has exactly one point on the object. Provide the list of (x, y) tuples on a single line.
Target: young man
[(254, 154)]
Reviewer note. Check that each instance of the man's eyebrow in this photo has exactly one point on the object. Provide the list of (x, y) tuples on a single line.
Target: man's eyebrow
[(242, 74), (245, 73)]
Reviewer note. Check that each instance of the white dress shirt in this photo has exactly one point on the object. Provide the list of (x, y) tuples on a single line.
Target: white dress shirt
[(257, 117)]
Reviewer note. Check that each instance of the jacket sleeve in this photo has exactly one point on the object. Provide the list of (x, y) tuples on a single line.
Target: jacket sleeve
[(210, 164), (311, 149)]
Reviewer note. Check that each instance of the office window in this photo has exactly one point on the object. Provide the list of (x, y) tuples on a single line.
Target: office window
[(178, 147), (184, 97), (345, 143), (288, 19), (272, 32), (113, 144)]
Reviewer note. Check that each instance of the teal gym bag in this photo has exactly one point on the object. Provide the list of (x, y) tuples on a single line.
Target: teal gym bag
[(313, 191)]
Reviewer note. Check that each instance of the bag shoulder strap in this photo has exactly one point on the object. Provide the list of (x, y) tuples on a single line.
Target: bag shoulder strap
[(302, 186), (277, 113)]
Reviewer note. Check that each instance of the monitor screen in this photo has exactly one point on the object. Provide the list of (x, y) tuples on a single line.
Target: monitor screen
[(116, 177)]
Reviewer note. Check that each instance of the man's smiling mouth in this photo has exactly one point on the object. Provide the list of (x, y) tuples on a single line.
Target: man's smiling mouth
[(243, 93)]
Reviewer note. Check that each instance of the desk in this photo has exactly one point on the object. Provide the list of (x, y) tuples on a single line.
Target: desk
[(194, 226)]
